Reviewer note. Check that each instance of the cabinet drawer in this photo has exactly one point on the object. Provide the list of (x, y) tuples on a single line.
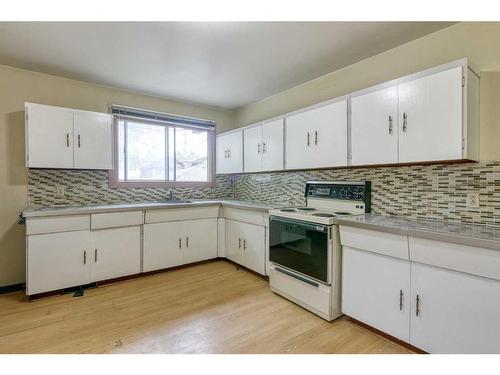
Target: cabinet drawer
[(256, 217), (116, 219), (177, 214), (473, 260), (52, 224), (393, 245)]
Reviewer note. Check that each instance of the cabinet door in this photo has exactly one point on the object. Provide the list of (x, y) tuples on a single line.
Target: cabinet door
[(230, 153), (253, 149), (93, 141), (272, 145), (50, 137), (162, 247), (115, 252), (457, 312), (374, 127), (430, 114), (200, 240), (254, 251), (234, 241), (318, 137), (375, 290), (58, 260)]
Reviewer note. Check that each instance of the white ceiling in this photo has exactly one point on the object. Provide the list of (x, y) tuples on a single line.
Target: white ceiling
[(226, 64)]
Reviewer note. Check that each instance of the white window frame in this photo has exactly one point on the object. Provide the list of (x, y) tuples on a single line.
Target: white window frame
[(115, 182)]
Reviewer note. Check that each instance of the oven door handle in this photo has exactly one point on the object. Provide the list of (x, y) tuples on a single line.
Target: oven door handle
[(302, 224)]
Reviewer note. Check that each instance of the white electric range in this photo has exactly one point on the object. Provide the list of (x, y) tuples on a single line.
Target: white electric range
[(304, 245)]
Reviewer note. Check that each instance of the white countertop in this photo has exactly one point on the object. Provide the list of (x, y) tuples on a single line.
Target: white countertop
[(89, 209)]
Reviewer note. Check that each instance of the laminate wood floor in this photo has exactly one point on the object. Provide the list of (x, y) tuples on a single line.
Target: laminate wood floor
[(205, 308)]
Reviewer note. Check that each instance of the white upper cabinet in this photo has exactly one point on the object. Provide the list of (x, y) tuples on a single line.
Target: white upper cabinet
[(66, 138), (317, 138), (430, 117), (272, 145), (230, 152), (93, 141), (252, 146), (263, 147), (49, 137), (374, 127)]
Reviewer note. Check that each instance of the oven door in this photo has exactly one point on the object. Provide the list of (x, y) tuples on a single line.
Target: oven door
[(301, 247)]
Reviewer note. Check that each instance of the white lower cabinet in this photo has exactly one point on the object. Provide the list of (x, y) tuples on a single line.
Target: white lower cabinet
[(174, 243), (245, 245), (375, 290), (115, 252), (57, 261), (455, 313)]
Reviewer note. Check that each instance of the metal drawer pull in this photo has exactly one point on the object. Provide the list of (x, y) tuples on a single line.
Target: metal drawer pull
[(180, 242), (67, 139), (229, 153), (315, 137), (78, 140), (258, 148), (244, 244), (417, 311), (85, 257), (239, 243), (264, 147), (308, 139), (390, 125), (400, 299), (405, 121), (95, 255), (187, 241)]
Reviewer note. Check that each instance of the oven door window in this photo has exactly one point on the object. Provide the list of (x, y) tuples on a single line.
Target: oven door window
[(299, 246)]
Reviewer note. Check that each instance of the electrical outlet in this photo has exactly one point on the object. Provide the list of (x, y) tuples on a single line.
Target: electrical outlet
[(60, 190), (473, 200)]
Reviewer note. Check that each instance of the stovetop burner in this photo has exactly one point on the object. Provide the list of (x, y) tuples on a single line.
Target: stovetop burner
[(305, 208), (322, 214), (287, 210)]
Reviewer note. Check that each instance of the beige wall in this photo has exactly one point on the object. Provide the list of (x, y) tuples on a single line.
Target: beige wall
[(480, 42), (490, 115), (18, 86)]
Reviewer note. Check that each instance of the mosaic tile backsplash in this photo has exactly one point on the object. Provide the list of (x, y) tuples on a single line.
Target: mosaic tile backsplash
[(432, 191)]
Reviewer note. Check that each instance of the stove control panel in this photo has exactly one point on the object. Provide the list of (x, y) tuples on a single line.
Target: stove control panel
[(350, 191)]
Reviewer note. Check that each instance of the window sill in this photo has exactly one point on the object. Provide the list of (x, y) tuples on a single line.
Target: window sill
[(113, 184)]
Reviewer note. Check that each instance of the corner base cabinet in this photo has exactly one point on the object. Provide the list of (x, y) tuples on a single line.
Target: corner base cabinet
[(245, 245)]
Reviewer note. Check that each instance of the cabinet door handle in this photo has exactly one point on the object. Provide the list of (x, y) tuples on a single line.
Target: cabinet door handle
[(417, 309), (85, 257), (187, 241), (239, 243), (405, 121), (95, 255), (390, 125), (401, 299), (316, 137), (264, 147), (308, 139), (258, 148), (67, 139), (180, 242), (78, 140), (244, 244)]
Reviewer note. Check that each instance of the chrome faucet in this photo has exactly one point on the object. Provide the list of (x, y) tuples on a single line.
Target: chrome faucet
[(171, 195)]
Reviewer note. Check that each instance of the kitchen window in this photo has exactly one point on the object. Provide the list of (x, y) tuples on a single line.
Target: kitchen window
[(161, 150)]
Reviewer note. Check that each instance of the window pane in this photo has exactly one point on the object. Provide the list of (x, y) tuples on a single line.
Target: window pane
[(145, 151), (121, 150), (191, 152)]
